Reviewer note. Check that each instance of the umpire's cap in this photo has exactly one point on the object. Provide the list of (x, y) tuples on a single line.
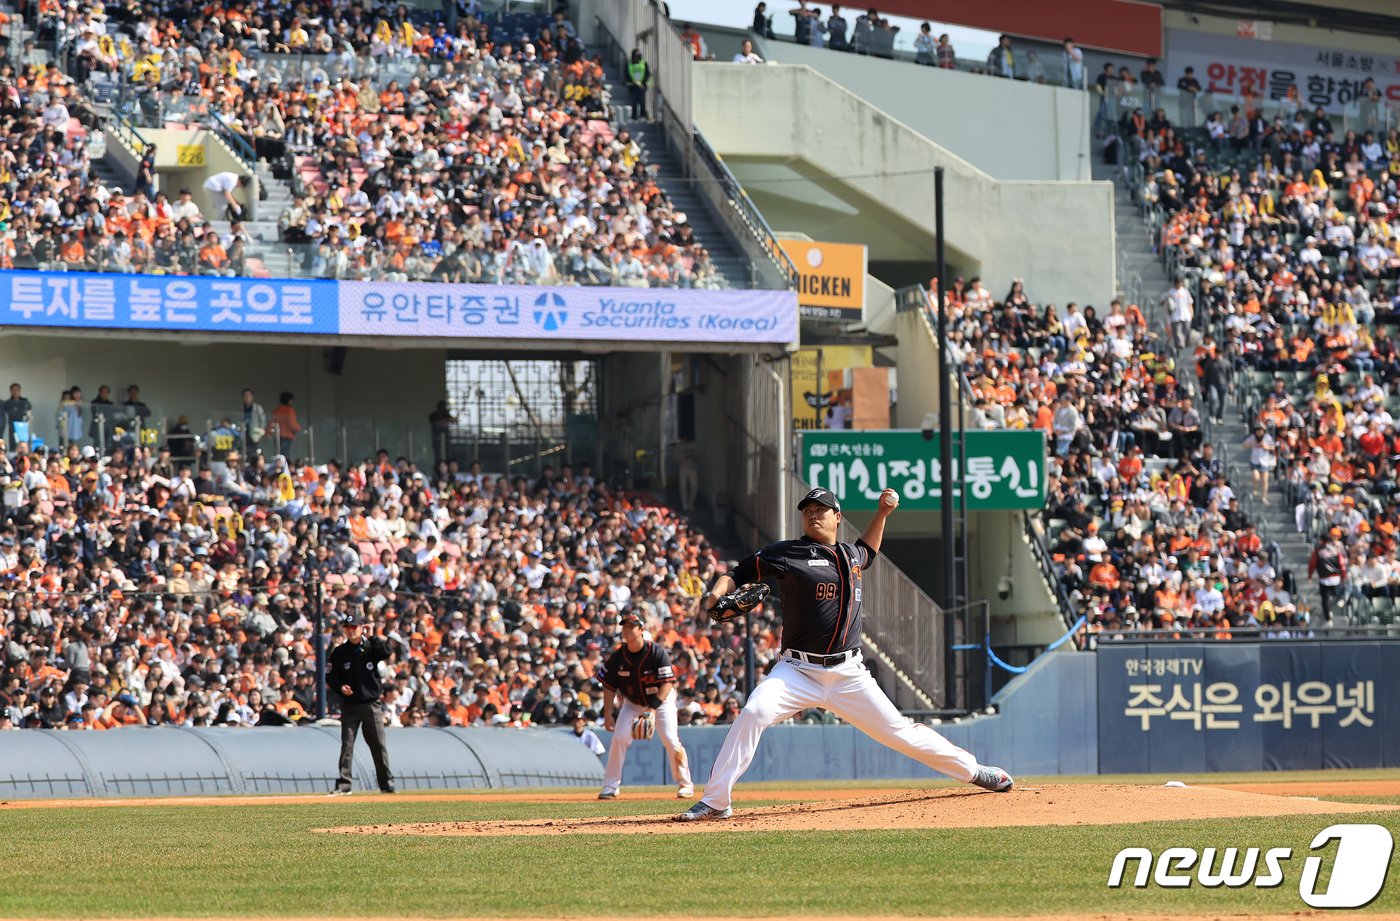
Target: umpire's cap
[(821, 497)]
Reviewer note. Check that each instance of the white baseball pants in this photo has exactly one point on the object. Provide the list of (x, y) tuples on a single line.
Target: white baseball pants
[(665, 731), (847, 690)]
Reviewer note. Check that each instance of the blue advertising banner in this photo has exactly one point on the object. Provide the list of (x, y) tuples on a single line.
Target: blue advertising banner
[(179, 303), (176, 303), (1232, 665), (516, 312), (1348, 667), (1247, 706)]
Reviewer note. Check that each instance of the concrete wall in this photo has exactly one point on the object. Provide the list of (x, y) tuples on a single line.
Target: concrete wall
[(879, 307), (1031, 616), (917, 366), (1056, 235), (1009, 129), (1319, 34), (397, 388)]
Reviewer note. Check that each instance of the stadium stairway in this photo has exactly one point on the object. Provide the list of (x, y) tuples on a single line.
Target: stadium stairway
[(267, 255), (1141, 276), (728, 259), (1275, 521)]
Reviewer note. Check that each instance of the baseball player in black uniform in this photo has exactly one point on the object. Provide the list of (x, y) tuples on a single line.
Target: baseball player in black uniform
[(353, 670), (639, 674), (820, 582)]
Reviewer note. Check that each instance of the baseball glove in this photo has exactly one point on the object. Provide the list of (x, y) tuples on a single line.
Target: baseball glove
[(741, 600), (644, 726)]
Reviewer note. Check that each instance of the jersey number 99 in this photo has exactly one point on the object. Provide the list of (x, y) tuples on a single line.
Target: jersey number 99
[(826, 591)]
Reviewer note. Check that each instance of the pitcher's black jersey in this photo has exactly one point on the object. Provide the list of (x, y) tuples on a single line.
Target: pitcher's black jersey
[(820, 586)]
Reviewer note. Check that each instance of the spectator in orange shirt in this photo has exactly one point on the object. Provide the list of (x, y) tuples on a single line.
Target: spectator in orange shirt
[(123, 711), (285, 418), (213, 259)]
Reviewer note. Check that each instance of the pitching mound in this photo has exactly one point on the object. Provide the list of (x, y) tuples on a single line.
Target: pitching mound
[(1050, 804)]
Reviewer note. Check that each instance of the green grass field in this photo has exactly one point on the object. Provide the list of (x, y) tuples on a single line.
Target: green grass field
[(266, 861)]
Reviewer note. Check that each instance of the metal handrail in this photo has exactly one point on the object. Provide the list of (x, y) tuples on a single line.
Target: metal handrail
[(1247, 634), (240, 148), (128, 134), (745, 208), (1047, 568)]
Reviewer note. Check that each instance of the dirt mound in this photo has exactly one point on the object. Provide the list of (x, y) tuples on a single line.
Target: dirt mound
[(1049, 804)]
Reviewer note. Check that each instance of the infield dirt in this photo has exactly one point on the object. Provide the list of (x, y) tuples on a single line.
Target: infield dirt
[(1035, 805)]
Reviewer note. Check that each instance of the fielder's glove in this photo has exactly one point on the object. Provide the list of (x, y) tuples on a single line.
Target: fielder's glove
[(644, 726), (741, 600)]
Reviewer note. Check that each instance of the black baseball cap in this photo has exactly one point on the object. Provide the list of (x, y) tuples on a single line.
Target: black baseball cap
[(353, 619), (631, 617), (821, 496)]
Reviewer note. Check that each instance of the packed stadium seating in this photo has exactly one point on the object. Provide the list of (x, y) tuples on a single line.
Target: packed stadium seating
[(1144, 530), (137, 595), (487, 155), (1289, 238), (1291, 252)]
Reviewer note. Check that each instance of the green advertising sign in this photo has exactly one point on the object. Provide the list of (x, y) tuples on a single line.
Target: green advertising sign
[(1003, 470)]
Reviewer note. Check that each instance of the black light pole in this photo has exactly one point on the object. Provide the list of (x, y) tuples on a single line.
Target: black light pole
[(945, 411), (945, 455), (318, 624)]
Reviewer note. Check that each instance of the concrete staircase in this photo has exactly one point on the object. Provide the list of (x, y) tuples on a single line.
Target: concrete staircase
[(1141, 278), (267, 255), (730, 262)]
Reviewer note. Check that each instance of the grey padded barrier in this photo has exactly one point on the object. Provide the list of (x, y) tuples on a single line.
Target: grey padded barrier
[(179, 761)]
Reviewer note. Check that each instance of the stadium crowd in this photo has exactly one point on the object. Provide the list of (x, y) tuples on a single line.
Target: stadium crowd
[(138, 591), (1290, 233), (484, 154), (1145, 531)]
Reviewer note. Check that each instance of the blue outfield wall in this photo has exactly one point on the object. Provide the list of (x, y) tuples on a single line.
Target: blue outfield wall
[(1128, 708), (174, 761)]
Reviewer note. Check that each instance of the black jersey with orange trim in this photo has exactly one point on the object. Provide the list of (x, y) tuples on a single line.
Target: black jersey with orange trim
[(820, 585), (635, 675)]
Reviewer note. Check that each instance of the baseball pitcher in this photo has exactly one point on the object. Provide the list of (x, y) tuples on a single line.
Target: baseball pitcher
[(820, 582)]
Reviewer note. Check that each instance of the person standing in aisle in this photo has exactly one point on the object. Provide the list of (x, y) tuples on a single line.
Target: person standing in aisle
[(638, 80)]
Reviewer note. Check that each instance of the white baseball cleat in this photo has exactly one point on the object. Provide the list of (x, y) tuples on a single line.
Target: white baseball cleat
[(991, 778), (685, 793)]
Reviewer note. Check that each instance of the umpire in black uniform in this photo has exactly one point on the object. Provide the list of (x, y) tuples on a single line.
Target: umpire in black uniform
[(353, 670)]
